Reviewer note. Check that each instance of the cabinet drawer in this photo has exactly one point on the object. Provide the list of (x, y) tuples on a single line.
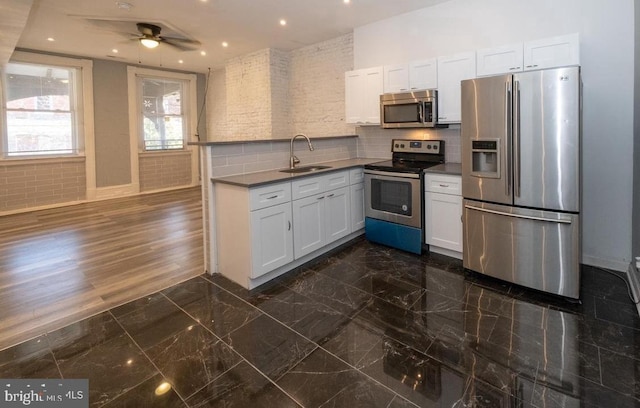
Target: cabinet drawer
[(337, 179), (271, 194), (356, 175), (446, 184), (309, 186)]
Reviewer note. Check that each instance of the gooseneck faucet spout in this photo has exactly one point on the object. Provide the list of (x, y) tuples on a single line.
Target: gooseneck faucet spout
[(293, 160)]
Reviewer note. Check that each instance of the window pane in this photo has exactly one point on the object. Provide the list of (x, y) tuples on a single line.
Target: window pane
[(39, 133), (39, 109), (163, 123)]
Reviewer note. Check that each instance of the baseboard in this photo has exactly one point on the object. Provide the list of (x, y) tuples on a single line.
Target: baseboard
[(124, 190), (619, 266), (633, 275), (42, 207)]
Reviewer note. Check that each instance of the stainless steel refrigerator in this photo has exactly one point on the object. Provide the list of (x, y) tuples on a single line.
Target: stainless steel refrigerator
[(521, 178)]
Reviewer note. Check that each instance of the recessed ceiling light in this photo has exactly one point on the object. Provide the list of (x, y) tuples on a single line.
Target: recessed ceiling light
[(203, 53), (283, 22), (115, 50), (51, 39), (346, 1), (225, 44), (180, 62)]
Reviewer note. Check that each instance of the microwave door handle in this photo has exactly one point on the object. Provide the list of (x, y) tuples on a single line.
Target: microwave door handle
[(421, 112)]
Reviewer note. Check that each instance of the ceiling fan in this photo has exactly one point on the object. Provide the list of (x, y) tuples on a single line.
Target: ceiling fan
[(150, 37)]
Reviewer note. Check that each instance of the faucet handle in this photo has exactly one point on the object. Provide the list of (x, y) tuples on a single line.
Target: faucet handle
[(295, 160)]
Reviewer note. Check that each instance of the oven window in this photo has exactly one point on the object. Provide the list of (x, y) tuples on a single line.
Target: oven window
[(402, 113), (391, 196)]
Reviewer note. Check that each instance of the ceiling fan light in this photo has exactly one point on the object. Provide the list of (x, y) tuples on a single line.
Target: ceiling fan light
[(149, 42)]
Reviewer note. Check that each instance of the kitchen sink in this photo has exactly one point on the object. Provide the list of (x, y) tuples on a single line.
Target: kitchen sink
[(305, 169)]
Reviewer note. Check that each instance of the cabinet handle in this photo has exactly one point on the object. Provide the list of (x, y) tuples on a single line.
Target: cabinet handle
[(444, 185), (442, 117), (289, 228), (331, 195), (320, 198), (272, 197)]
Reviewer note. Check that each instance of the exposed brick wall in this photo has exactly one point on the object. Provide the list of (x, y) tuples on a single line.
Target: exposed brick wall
[(165, 170), (274, 94), (41, 183), (316, 87)]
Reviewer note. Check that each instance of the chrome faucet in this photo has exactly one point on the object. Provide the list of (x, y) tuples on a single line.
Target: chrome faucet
[(293, 160)]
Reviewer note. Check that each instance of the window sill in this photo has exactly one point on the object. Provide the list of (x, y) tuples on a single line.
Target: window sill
[(165, 153), (18, 161)]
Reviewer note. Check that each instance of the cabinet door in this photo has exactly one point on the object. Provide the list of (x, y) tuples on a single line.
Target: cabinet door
[(499, 60), (338, 214), (353, 96), (373, 88), (271, 238), (362, 95), (396, 78), (452, 70), (357, 207), (443, 220), (552, 52), (423, 74), (309, 221)]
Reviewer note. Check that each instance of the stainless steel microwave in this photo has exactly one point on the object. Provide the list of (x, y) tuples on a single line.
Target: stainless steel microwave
[(409, 109)]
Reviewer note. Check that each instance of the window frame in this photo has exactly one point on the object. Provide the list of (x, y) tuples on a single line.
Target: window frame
[(82, 115), (136, 117)]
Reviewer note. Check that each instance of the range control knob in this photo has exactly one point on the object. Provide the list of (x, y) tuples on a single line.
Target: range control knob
[(397, 145), (428, 147), (402, 145)]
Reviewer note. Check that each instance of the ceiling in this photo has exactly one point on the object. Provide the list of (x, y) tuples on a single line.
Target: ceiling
[(94, 28)]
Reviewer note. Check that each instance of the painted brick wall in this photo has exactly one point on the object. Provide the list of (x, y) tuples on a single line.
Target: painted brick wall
[(165, 170), (41, 183), (316, 87), (274, 94)]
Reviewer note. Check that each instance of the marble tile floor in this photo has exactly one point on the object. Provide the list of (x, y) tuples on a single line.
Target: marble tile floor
[(367, 326)]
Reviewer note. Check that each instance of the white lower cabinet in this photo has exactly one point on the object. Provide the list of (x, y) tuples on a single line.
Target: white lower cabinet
[(357, 206), (443, 214), (272, 227), (320, 219), (271, 238)]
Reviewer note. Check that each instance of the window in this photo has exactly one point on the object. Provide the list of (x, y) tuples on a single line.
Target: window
[(164, 124), (41, 105)]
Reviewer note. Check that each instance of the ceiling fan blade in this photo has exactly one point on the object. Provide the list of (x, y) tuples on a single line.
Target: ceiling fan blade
[(181, 43)]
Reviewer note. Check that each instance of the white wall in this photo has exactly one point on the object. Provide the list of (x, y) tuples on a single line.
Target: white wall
[(607, 58)]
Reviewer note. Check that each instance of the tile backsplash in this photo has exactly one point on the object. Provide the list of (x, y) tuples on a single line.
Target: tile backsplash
[(374, 141)]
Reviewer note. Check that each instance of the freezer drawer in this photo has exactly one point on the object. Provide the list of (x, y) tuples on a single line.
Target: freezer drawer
[(536, 249)]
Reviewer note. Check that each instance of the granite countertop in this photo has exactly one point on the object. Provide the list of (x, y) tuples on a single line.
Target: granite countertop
[(256, 141), (272, 176), (446, 168)]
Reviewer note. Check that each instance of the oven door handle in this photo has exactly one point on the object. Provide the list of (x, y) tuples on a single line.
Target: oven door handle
[(392, 174)]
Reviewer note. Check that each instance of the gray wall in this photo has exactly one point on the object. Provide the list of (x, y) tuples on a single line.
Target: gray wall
[(111, 117)]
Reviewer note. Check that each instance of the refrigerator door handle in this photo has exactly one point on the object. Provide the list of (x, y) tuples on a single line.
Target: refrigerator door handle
[(526, 217), (508, 127), (516, 138)]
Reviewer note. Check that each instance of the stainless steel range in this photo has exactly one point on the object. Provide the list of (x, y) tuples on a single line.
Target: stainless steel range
[(394, 193)]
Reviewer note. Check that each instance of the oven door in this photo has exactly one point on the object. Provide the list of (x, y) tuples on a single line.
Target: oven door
[(393, 197)]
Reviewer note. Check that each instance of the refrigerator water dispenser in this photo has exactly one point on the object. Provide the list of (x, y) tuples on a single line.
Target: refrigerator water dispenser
[(485, 158)]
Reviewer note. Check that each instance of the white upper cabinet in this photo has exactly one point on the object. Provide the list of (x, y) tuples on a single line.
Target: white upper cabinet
[(499, 60), (423, 74), (451, 71), (411, 77), (396, 78), (552, 52), (539, 54), (362, 96)]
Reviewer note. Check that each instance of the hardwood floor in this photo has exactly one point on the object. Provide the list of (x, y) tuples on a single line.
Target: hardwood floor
[(61, 265)]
